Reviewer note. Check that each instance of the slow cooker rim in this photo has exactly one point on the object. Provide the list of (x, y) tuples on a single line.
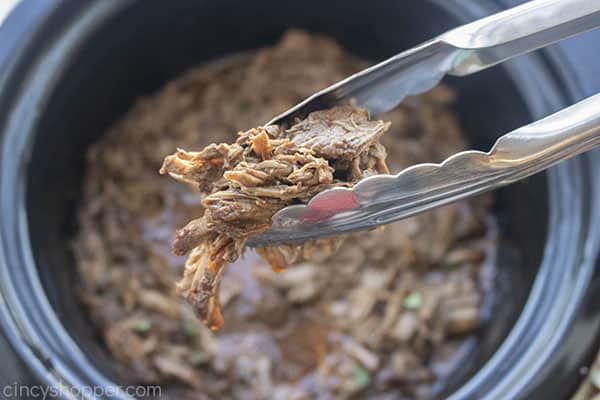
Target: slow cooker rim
[(31, 43), (519, 386), (35, 357)]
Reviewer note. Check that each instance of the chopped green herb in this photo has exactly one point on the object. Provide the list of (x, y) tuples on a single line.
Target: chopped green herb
[(198, 358), (413, 301), (190, 327), (142, 325), (362, 376)]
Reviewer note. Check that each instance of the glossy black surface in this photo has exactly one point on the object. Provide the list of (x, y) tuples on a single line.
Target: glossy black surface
[(92, 60)]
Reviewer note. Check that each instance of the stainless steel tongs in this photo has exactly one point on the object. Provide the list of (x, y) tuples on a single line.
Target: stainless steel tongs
[(382, 199)]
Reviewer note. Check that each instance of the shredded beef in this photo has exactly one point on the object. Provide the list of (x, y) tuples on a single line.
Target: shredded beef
[(266, 169), (385, 314)]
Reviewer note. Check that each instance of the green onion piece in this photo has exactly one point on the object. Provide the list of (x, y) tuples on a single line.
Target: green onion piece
[(190, 327), (142, 325), (362, 376), (413, 301)]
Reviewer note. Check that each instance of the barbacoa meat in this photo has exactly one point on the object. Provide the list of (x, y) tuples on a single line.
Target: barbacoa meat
[(266, 169), (390, 314)]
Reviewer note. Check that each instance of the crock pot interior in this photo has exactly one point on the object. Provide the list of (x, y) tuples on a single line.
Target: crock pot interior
[(147, 43)]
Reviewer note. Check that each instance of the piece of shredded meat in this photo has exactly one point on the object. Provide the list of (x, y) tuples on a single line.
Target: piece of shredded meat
[(247, 182)]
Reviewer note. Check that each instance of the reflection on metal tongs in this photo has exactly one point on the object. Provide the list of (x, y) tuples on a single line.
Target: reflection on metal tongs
[(470, 48)]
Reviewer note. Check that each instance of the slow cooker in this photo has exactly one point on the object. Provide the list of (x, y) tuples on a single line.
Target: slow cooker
[(71, 68)]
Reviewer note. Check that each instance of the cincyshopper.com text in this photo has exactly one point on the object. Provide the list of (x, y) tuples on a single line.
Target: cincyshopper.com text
[(43, 392)]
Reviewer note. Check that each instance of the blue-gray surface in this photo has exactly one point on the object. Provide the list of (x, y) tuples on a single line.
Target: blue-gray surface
[(12, 370), (584, 53)]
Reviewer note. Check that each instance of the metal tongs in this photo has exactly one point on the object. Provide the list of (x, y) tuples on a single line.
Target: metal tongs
[(382, 199)]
